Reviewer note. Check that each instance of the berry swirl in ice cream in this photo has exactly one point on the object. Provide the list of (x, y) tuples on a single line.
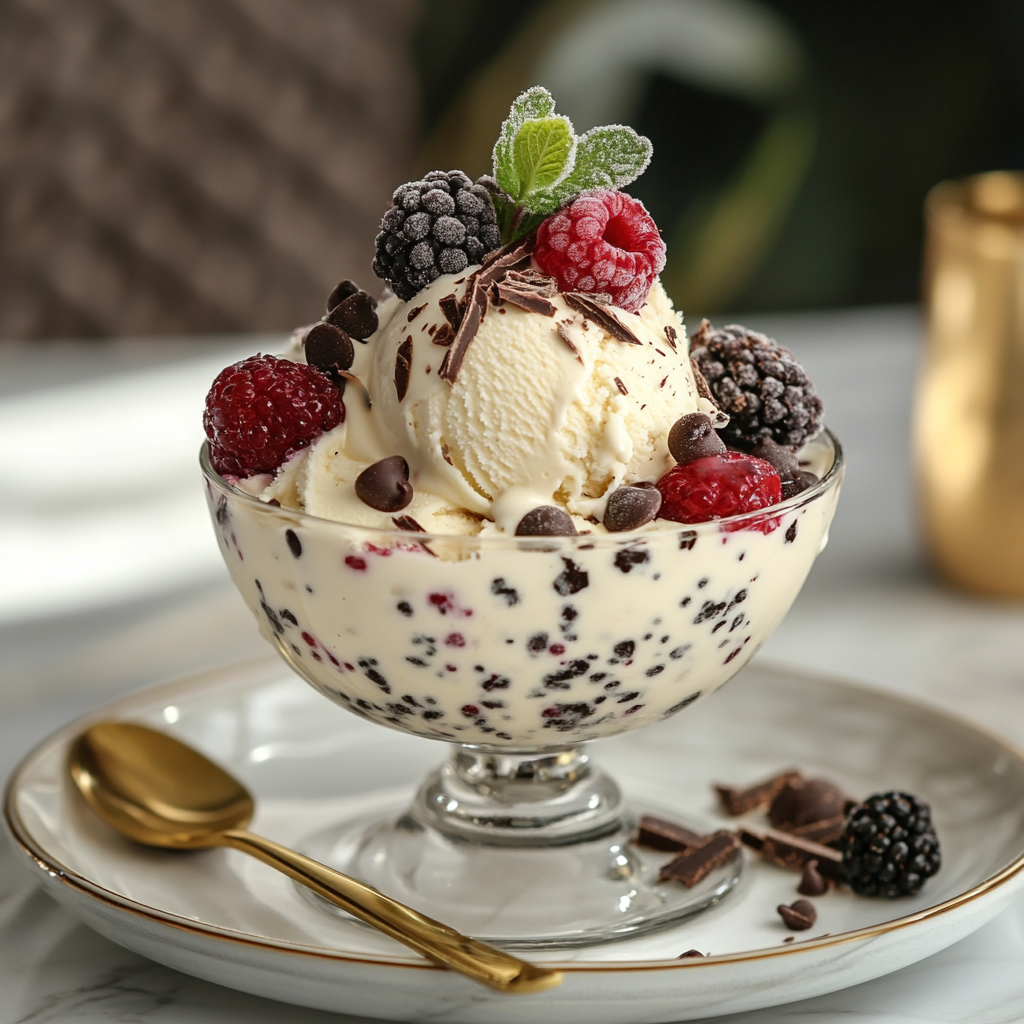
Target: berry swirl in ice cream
[(494, 506)]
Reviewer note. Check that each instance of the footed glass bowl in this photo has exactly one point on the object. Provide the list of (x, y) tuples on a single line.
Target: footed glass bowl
[(517, 650)]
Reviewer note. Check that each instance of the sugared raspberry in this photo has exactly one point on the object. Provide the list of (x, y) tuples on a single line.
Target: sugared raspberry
[(602, 241), (263, 409), (718, 486)]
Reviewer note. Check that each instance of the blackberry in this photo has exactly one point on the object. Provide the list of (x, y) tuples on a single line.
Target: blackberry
[(765, 391), (439, 225), (889, 846)]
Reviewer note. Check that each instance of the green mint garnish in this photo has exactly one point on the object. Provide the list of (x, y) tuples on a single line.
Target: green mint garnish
[(540, 163)]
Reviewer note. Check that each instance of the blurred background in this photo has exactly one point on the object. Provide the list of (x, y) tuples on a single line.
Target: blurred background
[(212, 166)]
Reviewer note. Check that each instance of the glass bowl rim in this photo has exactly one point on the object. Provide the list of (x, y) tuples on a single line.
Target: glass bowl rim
[(497, 540)]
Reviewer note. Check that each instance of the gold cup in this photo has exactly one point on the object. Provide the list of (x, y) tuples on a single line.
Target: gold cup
[(969, 422)]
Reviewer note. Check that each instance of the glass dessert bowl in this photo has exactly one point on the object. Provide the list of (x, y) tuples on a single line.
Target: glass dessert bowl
[(518, 651)]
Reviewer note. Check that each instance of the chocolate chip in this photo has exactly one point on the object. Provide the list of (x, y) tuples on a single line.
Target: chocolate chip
[(342, 290), (403, 368), (294, 544), (630, 507), (330, 349), (356, 314), (812, 884), (546, 521), (658, 834), (385, 485), (791, 532), (798, 917), (689, 953), (804, 801), (791, 852), (798, 484), (696, 864), (778, 456), (693, 437), (737, 800)]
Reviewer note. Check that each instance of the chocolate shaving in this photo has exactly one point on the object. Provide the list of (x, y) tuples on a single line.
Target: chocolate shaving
[(736, 800), (415, 312), (586, 305), (528, 300), (445, 335), (658, 834), (792, 852), (703, 388), (452, 313), (620, 385), (407, 523), (532, 281), (670, 333), (696, 864), (476, 310), (403, 368), (567, 338), (362, 387)]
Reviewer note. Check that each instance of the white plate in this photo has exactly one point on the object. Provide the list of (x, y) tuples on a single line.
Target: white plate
[(224, 917)]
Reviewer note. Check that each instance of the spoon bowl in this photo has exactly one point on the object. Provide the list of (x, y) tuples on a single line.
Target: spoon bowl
[(158, 791)]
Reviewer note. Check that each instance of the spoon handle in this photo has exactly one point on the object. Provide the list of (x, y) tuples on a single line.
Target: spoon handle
[(430, 938)]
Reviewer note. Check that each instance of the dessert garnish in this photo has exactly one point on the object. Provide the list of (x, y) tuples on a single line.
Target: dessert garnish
[(546, 521), (689, 953), (811, 882), (262, 410), (629, 507), (792, 852), (693, 437), (657, 834), (799, 916), (356, 314), (765, 391), (717, 486), (737, 800), (697, 863), (804, 801), (889, 847), (384, 485), (329, 348)]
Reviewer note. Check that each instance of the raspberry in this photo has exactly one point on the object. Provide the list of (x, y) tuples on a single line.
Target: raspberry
[(718, 486), (602, 242), (263, 409)]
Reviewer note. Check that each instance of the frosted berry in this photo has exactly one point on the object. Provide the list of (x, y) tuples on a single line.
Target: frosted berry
[(263, 409), (602, 242), (436, 226), (718, 486)]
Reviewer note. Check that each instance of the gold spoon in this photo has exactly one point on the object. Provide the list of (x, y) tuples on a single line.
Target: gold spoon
[(158, 791)]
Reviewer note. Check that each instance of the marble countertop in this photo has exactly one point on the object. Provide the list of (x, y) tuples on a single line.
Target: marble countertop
[(870, 611)]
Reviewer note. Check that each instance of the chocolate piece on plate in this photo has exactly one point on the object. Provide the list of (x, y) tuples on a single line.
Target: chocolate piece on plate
[(798, 917), (696, 864), (658, 834), (812, 884), (825, 832), (736, 800), (689, 953), (792, 852), (804, 801)]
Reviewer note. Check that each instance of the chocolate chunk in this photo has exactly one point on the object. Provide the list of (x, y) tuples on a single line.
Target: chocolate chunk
[(408, 524), (444, 335), (546, 521), (357, 314), (622, 387), (812, 884), (736, 800), (415, 312), (798, 917), (689, 953), (567, 338), (453, 314), (804, 801), (798, 484), (572, 579), (385, 485), (658, 834), (792, 852), (777, 455), (330, 349), (592, 310), (693, 865), (532, 281), (671, 336), (476, 310), (693, 437), (630, 507), (294, 544), (703, 388), (528, 300), (342, 290), (826, 832), (403, 368)]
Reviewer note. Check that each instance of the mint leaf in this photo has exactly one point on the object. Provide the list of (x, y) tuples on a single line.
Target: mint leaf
[(541, 151), (531, 105), (609, 157)]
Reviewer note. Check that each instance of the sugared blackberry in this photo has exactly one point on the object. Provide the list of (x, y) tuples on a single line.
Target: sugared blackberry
[(889, 846), (439, 225), (765, 391)]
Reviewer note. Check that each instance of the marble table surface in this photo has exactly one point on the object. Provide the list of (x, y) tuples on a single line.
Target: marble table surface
[(870, 611)]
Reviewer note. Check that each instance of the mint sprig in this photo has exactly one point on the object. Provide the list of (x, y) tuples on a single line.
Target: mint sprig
[(540, 163)]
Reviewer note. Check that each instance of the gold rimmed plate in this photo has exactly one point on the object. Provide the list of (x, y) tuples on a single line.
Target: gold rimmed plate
[(220, 916)]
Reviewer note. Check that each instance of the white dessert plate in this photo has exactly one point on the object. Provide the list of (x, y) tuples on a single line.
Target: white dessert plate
[(226, 918)]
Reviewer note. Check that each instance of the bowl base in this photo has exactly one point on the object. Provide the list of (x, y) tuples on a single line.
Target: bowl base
[(592, 891)]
